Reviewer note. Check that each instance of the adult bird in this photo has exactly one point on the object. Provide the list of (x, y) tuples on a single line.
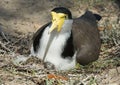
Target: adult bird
[(65, 41)]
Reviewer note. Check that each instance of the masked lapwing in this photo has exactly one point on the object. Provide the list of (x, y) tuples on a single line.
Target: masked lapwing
[(65, 41)]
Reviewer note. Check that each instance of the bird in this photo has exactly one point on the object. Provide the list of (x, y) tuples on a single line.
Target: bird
[(66, 41)]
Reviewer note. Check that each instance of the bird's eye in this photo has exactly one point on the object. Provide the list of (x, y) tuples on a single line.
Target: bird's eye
[(66, 17)]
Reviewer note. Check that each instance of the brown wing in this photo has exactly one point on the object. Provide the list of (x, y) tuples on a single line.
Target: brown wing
[(86, 38)]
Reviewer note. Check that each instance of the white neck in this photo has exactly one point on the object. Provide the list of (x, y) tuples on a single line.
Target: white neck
[(56, 47), (67, 26)]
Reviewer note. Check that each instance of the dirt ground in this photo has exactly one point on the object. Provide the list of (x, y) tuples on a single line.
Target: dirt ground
[(19, 19)]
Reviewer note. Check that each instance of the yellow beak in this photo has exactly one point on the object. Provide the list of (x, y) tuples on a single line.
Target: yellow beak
[(57, 21)]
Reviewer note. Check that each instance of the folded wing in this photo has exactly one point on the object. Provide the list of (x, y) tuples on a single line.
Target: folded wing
[(86, 37)]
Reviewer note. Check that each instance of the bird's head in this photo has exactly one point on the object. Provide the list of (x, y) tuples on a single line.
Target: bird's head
[(59, 15)]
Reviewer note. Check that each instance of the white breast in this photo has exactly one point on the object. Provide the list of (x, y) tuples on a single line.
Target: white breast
[(56, 48)]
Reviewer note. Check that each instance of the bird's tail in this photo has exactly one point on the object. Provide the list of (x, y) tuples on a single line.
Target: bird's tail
[(98, 17), (90, 16)]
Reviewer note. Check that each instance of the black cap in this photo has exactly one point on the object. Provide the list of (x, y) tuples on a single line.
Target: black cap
[(63, 10)]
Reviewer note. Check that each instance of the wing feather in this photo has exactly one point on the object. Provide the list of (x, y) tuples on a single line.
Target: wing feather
[(37, 36), (86, 38)]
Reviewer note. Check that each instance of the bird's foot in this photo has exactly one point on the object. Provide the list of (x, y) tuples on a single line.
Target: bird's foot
[(49, 66)]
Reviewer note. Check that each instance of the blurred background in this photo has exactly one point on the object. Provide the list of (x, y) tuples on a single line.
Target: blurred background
[(29, 15)]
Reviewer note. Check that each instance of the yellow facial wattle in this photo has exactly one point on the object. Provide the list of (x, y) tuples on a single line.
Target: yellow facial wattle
[(57, 21)]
